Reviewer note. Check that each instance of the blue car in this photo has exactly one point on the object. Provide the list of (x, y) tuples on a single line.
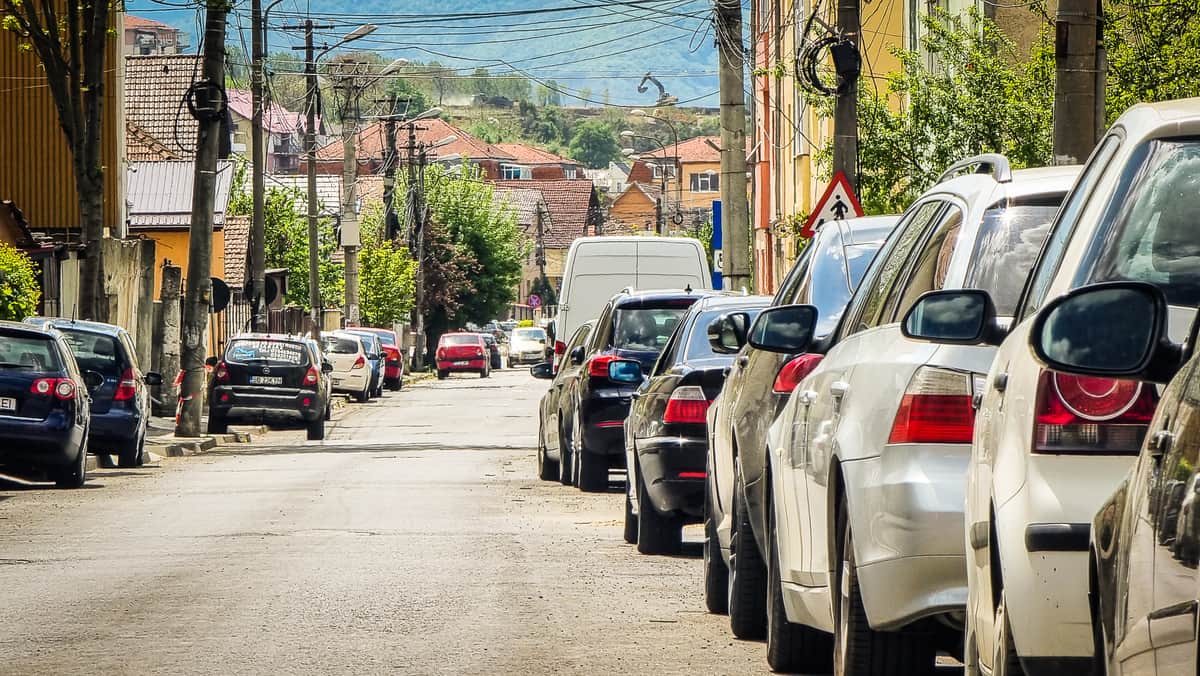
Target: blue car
[(44, 405), (121, 403), (373, 346)]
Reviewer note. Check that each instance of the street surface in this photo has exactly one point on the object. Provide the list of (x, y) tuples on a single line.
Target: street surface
[(417, 540)]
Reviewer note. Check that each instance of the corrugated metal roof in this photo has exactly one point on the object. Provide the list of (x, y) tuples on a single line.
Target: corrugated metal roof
[(329, 190), (160, 193)]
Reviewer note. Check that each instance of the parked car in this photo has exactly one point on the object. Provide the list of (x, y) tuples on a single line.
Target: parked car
[(463, 352), (373, 348), (263, 374), (666, 433), (393, 372), (1050, 447), (634, 326), (496, 360), (825, 275), (44, 405), (351, 374), (120, 406), (598, 267), (554, 410), (865, 462), (527, 346)]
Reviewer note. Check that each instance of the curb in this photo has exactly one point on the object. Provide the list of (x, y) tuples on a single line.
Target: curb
[(177, 447)]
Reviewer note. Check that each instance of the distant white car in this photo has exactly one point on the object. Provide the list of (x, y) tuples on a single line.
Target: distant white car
[(1049, 447), (527, 346), (867, 457), (351, 372)]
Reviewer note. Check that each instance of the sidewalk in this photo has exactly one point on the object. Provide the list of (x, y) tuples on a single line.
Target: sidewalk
[(161, 439)]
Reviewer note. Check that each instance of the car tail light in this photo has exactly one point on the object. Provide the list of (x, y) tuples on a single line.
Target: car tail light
[(479, 352), (560, 347), (1079, 414), (61, 388), (359, 363), (306, 402), (127, 387), (936, 409), (693, 475), (221, 373), (311, 377), (441, 354), (598, 365), (687, 404), (794, 371)]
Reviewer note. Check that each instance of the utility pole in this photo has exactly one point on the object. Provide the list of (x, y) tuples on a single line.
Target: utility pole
[(847, 62), (416, 192), (734, 205), (1079, 80), (207, 106), (390, 161), (258, 237), (310, 151), (349, 229)]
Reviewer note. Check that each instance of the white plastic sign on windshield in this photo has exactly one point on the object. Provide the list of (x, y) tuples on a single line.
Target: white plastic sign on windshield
[(837, 204)]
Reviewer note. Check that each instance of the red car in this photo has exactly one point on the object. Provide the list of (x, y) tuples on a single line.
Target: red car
[(459, 352), (393, 363)]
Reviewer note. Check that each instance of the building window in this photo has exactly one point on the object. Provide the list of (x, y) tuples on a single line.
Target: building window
[(707, 182), (514, 172), (659, 168), (570, 172)]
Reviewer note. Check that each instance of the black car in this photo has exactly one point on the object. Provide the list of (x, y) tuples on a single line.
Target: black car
[(633, 326), (666, 434), (493, 347), (121, 404), (266, 374), (554, 411), (44, 405)]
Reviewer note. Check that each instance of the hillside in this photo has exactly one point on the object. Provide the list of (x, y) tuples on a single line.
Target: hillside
[(592, 52)]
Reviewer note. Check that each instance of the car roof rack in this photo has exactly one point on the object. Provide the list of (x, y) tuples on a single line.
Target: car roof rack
[(994, 164)]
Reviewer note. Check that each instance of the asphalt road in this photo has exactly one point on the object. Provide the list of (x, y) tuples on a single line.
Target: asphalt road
[(417, 540)]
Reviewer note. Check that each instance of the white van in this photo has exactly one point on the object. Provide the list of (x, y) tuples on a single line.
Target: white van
[(599, 267)]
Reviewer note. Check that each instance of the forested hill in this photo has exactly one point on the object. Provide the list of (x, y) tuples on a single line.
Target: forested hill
[(592, 49)]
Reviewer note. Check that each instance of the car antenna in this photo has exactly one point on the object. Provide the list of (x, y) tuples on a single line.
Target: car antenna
[(688, 288)]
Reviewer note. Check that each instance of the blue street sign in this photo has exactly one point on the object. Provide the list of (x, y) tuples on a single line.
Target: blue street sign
[(718, 279)]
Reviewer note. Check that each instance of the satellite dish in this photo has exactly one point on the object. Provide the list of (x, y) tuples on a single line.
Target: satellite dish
[(220, 294)]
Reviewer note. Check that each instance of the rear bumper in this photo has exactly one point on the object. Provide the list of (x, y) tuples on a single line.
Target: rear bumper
[(453, 366), (354, 382), (527, 358), (116, 425), (231, 402), (393, 370), (673, 471), (28, 442)]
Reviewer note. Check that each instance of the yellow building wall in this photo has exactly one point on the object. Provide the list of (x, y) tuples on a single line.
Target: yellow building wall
[(633, 208), (690, 199), (173, 246)]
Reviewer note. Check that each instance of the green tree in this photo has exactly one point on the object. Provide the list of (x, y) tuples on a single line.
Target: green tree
[(387, 273), (1153, 51), (19, 289), (410, 97), (287, 246), (594, 144)]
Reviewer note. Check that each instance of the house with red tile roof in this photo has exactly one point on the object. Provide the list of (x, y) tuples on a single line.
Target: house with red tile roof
[(371, 148), (693, 172), (282, 128), (533, 162), (147, 36), (574, 211)]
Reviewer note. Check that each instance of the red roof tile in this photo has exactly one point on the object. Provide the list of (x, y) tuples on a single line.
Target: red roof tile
[(692, 150), (154, 93), (525, 154), (276, 118), (572, 204), (371, 142), (132, 22)]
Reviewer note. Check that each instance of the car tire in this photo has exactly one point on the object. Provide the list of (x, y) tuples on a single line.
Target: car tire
[(592, 471), (747, 576), (131, 454), (716, 574), (859, 650), (631, 522), (790, 647), (329, 411), (316, 429), (657, 533), (363, 397), (75, 474), (217, 423), (394, 384), (510, 363), (564, 456), (547, 468), (1005, 661), (442, 374)]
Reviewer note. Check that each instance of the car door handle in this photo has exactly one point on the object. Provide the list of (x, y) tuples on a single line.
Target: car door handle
[(1000, 382), (807, 397), (839, 389), (1160, 444), (743, 360)]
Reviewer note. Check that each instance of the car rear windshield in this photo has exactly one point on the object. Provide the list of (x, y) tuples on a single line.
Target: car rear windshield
[(28, 352), (529, 334), (698, 346), (1010, 237), (644, 329), (336, 345), (1152, 234), (460, 339), (279, 352), (385, 338), (95, 352)]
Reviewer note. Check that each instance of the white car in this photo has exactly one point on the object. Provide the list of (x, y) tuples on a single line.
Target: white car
[(1049, 448), (351, 371), (868, 456)]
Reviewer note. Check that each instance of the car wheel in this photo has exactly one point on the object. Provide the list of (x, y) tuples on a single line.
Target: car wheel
[(217, 423), (131, 454), (394, 384), (442, 374), (748, 576), (657, 533), (1099, 640), (363, 397), (510, 363), (1004, 660), (564, 455), (790, 647), (716, 574), (631, 522), (547, 468), (75, 474), (316, 429), (329, 411), (859, 650)]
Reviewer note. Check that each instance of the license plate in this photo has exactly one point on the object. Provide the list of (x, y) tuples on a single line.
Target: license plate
[(8, 404), (462, 363), (337, 381), (266, 380)]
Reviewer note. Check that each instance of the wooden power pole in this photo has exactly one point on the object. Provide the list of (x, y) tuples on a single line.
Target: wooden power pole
[(734, 205), (258, 237), (847, 61), (207, 104), (1079, 80)]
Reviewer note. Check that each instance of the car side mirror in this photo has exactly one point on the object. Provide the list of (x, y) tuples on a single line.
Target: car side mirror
[(954, 317), (727, 333), (1112, 330), (625, 371), (786, 329), (211, 361), (543, 371), (92, 379), (153, 379), (326, 367), (577, 355)]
